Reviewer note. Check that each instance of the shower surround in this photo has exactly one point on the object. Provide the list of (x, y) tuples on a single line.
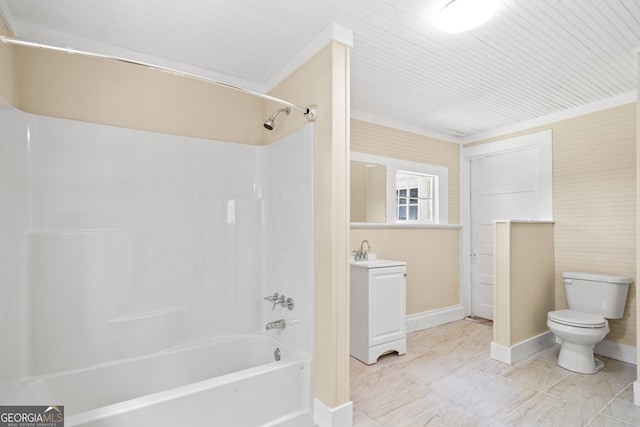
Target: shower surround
[(120, 243)]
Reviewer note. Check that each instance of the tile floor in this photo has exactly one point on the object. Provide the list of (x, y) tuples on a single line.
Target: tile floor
[(447, 378)]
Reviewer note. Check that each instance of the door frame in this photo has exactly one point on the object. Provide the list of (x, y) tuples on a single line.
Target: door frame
[(543, 141)]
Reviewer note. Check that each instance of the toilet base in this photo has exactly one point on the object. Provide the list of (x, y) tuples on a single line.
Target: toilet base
[(579, 358)]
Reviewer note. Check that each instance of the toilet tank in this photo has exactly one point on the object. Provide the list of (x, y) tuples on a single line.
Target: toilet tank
[(603, 294)]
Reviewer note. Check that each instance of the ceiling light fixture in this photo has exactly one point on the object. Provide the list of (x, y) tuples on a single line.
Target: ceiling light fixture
[(463, 15)]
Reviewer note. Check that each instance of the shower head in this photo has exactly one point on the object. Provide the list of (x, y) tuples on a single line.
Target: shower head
[(269, 123)]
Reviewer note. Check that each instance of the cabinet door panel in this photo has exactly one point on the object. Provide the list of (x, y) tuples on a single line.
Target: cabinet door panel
[(387, 302)]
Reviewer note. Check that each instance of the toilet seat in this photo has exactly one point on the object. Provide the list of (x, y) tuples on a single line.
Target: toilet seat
[(577, 319)]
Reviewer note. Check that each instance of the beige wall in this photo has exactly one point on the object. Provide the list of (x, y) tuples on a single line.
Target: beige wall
[(8, 80), (594, 201), (115, 93), (325, 81), (432, 256), (383, 141), (524, 280)]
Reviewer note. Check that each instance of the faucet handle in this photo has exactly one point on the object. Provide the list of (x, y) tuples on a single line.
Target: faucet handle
[(273, 297), (276, 299)]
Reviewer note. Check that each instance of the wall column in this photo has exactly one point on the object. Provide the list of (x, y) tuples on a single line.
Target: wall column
[(324, 80)]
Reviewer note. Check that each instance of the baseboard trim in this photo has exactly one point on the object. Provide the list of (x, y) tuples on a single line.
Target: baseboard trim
[(341, 416), (614, 350), (431, 318), (523, 349)]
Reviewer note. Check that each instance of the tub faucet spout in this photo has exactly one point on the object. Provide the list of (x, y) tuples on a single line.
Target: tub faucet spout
[(276, 324)]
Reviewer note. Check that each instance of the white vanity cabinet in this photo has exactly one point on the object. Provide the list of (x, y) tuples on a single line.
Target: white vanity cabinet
[(378, 309)]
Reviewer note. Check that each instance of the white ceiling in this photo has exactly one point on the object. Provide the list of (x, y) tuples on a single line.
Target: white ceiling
[(535, 58)]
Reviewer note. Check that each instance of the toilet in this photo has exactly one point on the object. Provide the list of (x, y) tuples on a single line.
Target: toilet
[(591, 300)]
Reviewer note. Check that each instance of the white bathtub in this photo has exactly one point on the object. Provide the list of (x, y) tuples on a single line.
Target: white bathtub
[(229, 382)]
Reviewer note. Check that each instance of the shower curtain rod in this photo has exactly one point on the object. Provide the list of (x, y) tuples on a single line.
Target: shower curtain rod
[(310, 112)]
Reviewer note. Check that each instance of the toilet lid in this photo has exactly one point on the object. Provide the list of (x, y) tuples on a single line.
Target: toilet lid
[(577, 318)]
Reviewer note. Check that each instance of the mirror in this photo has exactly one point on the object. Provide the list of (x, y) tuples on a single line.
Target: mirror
[(377, 185), (368, 188)]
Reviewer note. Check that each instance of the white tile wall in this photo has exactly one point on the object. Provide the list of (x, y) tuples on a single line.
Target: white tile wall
[(15, 195)]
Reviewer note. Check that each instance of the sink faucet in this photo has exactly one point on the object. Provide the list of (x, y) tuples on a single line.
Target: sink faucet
[(362, 254), (276, 324)]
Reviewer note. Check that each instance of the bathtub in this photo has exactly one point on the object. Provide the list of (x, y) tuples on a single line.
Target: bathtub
[(228, 382)]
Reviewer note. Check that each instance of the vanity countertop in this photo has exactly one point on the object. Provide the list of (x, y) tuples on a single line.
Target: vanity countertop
[(377, 263)]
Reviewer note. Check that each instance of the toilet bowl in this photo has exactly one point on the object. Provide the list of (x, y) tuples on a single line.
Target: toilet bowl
[(591, 299), (579, 332)]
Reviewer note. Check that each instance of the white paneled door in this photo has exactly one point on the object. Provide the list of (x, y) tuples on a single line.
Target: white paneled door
[(508, 184)]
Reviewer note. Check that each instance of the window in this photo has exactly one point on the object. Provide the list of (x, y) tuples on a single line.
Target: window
[(415, 199)]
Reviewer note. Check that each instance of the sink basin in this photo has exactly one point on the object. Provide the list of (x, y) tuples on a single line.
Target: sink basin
[(376, 263)]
